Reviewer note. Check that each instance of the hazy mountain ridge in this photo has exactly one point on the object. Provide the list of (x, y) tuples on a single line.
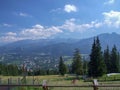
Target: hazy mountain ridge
[(58, 47)]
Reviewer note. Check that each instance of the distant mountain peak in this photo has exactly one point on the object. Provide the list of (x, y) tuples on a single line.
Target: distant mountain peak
[(114, 33), (61, 46)]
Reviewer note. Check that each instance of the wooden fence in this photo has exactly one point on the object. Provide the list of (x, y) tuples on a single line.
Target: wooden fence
[(73, 87), (44, 86)]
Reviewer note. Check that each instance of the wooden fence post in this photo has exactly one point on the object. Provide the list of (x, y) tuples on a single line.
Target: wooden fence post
[(19, 81), (95, 83), (9, 81), (44, 85), (0, 80)]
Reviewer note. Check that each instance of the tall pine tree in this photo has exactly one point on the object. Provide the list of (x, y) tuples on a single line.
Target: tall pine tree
[(107, 59), (119, 62), (77, 66), (62, 67), (114, 60), (96, 65), (92, 64)]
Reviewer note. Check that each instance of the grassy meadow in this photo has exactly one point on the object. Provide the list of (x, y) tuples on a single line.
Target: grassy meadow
[(61, 80)]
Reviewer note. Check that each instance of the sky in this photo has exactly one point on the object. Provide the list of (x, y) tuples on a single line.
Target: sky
[(45, 19)]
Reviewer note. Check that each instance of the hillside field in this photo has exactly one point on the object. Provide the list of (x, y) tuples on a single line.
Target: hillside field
[(57, 80)]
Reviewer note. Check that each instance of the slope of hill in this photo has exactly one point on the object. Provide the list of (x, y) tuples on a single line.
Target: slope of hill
[(58, 47), (45, 53)]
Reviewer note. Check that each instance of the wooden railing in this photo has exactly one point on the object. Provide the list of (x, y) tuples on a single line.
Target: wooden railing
[(67, 86), (44, 86)]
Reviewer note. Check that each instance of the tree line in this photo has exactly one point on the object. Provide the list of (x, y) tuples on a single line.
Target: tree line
[(103, 62), (9, 70), (100, 63), (14, 70)]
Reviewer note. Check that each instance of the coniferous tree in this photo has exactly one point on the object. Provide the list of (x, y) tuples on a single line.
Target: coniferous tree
[(4, 70), (96, 65), (107, 59), (101, 64), (15, 67), (62, 67), (119, 61), (85, 67), (114, 60), (77, 66), (0, 68), (92, 64)]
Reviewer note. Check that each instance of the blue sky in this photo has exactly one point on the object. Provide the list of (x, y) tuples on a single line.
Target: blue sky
[(41, 19)]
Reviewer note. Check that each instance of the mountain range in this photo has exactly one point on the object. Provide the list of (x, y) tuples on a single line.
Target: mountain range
[(59, 47)]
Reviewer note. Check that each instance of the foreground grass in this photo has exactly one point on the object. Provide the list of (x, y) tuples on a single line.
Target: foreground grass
[(51, 79), (60, 80)]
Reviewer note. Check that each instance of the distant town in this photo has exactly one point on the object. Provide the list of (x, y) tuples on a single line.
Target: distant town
[(38, 60)]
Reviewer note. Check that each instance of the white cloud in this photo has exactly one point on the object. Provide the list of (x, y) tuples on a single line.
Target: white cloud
[(71, 26), (7, 25), (97, 24), (70, 8), (22, 14), (10, 38), (11, 34), (112, 18), (35, 32), (39, 31), (109, 2)]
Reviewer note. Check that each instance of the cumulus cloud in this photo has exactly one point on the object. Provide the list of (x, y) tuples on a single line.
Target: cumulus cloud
[(112, 18), (42, 32), (74, 27), (70, 8), (35, 32), (10, 37), (109, 2), (11, 34), (39, 31)]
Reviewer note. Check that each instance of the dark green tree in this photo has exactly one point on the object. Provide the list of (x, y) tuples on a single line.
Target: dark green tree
[(77, 65), (16, 70), (92, 64), (0, 68), (4, 70), (114, 60), (62, 67), (85, 67), (96, 65), (107, 59), (119, 61)]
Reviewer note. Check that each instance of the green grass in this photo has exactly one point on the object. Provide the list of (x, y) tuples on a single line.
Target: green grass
[(110, 78), (60, 80)]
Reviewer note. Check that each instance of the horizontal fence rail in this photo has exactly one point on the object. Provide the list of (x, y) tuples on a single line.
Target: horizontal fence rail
[(37, 85), (61, 85), (14, 85)]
